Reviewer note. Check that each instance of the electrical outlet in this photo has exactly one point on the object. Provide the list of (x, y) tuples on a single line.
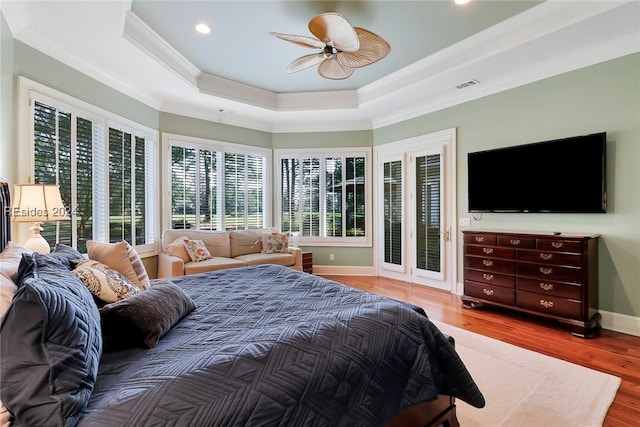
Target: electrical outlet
[(332, 257), (464, 222)]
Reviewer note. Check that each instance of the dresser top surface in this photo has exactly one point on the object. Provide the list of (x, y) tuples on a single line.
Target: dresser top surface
[(538, 234)]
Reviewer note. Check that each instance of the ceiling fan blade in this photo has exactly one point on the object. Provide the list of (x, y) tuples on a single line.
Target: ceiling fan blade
[(372, 49), (303, 41), (305, 61), (332, 69), (334, 28)]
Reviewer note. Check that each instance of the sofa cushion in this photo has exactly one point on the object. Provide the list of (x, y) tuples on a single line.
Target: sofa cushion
[(217, 242), (121, 257), (281, 259), (177, 249), (213, 264), (245, 242)]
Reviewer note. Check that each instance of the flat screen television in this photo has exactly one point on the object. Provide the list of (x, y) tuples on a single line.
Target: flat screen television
[(562, 175)]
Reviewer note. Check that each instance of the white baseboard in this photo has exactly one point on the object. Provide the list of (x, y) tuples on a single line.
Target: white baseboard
[(620, 323), (344, 270)]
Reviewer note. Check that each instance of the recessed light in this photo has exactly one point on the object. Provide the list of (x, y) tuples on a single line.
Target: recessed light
[(203, 28), (462, 1)]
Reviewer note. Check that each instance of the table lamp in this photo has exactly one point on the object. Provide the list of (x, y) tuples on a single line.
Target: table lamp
[(37, 203)]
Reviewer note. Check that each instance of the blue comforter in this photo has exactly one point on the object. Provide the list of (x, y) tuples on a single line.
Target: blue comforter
[(271, 346)]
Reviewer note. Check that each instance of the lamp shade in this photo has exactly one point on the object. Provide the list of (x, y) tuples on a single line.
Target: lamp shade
[(38, 203)]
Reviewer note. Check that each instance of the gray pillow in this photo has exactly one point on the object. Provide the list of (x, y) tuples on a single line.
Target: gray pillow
[(143, 318), (50, 344)]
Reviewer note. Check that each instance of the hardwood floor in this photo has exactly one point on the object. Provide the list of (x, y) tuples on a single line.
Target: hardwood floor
[(611, 352)]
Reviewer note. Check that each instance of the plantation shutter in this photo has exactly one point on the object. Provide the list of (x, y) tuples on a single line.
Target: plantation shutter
[(256, 169), (428, 184), (393, 212), (63, 155), (183, 187), (290, 210), (234, 191), (207, 212), (310, 197), (334, 220)]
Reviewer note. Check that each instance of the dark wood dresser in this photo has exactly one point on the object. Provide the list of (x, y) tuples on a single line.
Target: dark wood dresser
[(554, 276)]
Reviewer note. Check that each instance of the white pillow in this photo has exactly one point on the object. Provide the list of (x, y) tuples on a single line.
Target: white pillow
[(9, 262)]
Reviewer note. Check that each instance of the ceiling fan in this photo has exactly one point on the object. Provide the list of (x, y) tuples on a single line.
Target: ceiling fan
[(344, 47)]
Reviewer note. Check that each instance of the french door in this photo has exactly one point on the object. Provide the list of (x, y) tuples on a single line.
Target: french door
[(416, 210)]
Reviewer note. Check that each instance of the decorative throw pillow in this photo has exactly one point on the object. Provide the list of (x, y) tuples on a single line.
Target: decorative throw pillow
[(177, 249), (66, 254), (142, 319), (50, 345), (9, 262), (121, 257), (197, 250), (104, 282), (275, 243)]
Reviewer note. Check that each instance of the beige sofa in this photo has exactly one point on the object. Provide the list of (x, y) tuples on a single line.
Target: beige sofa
[(229, 249)]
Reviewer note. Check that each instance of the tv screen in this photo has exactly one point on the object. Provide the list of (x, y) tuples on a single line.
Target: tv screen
[(563, 175)]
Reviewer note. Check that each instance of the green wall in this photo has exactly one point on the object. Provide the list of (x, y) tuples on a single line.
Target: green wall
[(7, 136), (604, 97)]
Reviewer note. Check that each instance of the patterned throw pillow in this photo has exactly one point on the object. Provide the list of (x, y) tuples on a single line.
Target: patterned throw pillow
[(197, 250), (104, 282), (275, 243)]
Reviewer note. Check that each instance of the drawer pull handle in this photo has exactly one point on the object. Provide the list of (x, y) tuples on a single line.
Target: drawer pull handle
[(479, 239), (546, 270), (487, 276), (557, 245), (546, 286), (546, 304), (515, 242), (487, 291), (487, 250), (487, 262), (546, 257)]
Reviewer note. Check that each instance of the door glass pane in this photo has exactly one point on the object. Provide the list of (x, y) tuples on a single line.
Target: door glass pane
[(393, 212), (428, 183)]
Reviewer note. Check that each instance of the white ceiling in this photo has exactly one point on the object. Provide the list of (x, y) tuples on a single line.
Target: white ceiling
[(236, 74)]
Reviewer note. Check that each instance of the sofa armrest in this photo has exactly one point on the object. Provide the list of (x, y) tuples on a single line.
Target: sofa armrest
[(297, 253), (169, 266)]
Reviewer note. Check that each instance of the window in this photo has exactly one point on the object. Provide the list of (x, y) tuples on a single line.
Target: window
[(217, 186), (106, 172), (324, 196)]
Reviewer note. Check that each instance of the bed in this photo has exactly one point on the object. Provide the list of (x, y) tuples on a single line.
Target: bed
[(255, 346)]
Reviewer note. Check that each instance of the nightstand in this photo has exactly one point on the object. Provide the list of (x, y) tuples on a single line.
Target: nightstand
[(307, 262)]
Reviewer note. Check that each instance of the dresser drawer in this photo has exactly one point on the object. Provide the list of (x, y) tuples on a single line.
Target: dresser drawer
[(496, 279), (488, 292), (517, 242), (480, 239), (548, 287), (493, 265), (559, 245), (549, 257), (555, 306), (550, 272), (490, 251)]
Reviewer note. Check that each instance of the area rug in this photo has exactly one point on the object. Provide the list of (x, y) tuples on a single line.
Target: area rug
[(524, 388)]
